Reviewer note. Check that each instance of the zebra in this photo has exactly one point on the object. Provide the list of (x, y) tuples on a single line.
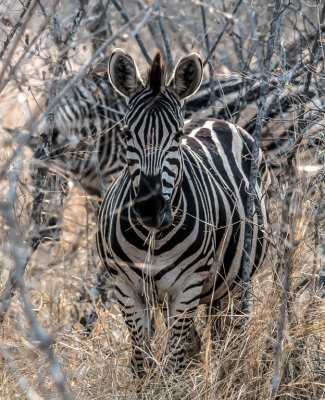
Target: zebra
[(180, 201), (86, 134)]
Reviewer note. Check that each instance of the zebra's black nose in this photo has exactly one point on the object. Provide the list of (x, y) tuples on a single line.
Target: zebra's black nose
[(150, 210), (150, 206)]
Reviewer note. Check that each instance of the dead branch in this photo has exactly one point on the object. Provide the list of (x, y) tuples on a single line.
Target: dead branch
[(165, 37), (215, 44), (14, 29), (276, 20), (137, 35)]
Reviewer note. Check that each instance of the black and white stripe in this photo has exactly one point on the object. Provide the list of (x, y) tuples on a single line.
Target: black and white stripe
[(181, 200), (86, 133)]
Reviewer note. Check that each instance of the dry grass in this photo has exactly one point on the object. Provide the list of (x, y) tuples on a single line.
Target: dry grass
[(237, 364)]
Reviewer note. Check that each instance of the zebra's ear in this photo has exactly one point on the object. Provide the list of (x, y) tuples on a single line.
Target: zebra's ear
[(123, 73), (187, 76)]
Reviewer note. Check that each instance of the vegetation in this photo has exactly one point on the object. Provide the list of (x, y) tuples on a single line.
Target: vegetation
[(47, 275)]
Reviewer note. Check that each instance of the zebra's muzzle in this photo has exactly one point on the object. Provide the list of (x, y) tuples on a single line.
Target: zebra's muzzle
[(153, 213)]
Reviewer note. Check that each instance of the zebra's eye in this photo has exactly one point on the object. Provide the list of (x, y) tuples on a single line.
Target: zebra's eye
[(126, 133), (178, 135)]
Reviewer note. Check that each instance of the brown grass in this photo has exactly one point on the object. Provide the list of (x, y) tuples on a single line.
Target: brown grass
[(237, 364)]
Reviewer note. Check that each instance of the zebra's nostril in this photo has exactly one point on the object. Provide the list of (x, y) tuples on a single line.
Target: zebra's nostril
[(152, 211), (163, 204), (135, 211)]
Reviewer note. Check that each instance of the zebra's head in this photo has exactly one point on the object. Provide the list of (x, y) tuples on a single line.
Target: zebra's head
[(154, 124)]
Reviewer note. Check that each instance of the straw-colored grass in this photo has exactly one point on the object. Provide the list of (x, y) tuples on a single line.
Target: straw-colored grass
[(236, 363)]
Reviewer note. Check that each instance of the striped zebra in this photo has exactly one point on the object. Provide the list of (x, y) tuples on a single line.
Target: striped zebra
[(86, 134), (179, 202)]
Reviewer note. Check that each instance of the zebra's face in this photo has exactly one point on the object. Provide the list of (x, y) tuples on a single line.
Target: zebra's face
[(154, 124), (154, 156)]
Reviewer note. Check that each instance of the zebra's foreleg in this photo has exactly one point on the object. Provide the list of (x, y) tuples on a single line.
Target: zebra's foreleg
[(193, 343), (137, 318), (183, 339)]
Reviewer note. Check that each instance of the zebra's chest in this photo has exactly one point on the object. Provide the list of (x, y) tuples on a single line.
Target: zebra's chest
[(179, 246), (165, 256), (165, 262)]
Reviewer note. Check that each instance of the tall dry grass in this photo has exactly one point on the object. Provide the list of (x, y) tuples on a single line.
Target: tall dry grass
[(237, 363)]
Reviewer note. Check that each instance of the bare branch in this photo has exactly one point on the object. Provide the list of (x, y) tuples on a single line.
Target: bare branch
[(215, 44), (276, 20), (165, 37), (137, 35), (21, 31), (211, 72), (14, 29)]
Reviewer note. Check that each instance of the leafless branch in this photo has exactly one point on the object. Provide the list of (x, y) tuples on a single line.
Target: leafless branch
[(215, 44), (137, 35), (165, 36), (23, 25), (276, 20), (14, 29), (211, 72)]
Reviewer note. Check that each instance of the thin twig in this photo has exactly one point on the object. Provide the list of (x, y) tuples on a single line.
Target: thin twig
[(137, 35), (215, 44), (276, 20), (14, 29), (165, 37), (211, 72), (15, 44)]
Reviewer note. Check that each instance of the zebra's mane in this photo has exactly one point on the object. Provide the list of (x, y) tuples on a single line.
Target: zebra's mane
[(156, 76)]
